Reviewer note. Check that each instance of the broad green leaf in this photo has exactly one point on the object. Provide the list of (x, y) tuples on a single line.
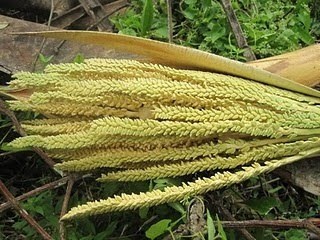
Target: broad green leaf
[(305, 36), (158, 229), (305, 18), (147, 17)]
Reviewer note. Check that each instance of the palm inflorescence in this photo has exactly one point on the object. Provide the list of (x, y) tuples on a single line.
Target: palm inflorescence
[(138, 121)]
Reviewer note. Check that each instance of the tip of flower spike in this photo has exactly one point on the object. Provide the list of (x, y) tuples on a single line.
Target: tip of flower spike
[(66, 217), (10, 148)]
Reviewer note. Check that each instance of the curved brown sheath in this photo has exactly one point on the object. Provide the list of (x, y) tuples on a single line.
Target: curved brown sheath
[(302, 66)]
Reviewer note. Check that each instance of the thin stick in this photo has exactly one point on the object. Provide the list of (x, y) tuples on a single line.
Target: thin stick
[(170, 23), (229, 216), (236, 28), (22, 212), (19, 129), (44, 40), (110, 9), (308, 224), (58, 183), (96, 11), (312, 227), (65, 204)]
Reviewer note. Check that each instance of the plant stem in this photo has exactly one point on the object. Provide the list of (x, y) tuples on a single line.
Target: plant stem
[(58, 183), (236, 28), (311, 224), (20, 130), (64, 209), (22, 212), (225, 212), (170, 23)]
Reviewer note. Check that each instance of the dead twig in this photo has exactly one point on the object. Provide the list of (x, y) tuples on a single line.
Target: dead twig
[(22, 212), (96, 11), (110, 9), (58, 183), (76, 14), (225, 212), (44, 40), (64, 209), (170, 23), (236, 28), (311, 224), (69, 17), (19, 129)]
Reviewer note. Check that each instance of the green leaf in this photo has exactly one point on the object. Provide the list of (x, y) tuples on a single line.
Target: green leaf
[(45, 59), (295, 234), (178, 207), (190, 2), (305, 36), (79, 58), (39, 209), (211, 227), (263, 205), (161, 32), (19, 225), (110, 229), (158, 229), (190, 13), (128, 31), (147, 17), (221, 231), (206, 3), (215, 34), (143, 212), (305, 18), (274, 190), (164, 182)]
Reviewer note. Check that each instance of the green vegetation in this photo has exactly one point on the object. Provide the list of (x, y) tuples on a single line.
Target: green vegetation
[(270, 28)]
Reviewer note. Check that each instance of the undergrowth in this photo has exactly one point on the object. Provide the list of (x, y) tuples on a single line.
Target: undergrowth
[(270, 27)]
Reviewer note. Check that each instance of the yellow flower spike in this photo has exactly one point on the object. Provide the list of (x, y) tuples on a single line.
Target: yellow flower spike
[(172, 194), (150, 121), (48, 129), (97, 158), (236, 112), (210, 163)]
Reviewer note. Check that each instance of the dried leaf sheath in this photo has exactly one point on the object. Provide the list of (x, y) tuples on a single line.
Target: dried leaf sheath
[(177, 56), (152, 121)]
